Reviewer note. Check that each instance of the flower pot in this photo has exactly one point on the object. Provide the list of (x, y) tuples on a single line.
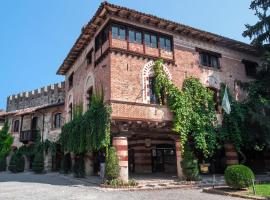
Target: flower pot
[(204, 168)]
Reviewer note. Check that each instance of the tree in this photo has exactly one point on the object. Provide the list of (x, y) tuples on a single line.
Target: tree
[(6, 141), (257, 120), (259, 32)]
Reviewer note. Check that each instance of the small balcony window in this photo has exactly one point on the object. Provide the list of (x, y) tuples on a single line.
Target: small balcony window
[(135, 36), (118, 32), (165, 43), (150, 40)]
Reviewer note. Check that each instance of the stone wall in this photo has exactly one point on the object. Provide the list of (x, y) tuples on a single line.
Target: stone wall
[(51, 94)]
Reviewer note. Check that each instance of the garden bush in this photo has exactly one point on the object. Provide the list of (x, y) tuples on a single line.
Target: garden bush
[(239, 176), (112, 169), (38, 163), (66, 164), (79, 167), (3, 164), (190, 165), (16, 163)]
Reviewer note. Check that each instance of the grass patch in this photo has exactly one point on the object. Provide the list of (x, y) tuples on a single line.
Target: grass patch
[(261, 190)]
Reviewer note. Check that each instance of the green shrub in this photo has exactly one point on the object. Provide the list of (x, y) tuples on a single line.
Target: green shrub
[(38, 163), (79, 167), (16, 163), (3, 163), (66, 164), (239, 176), (112, 169), (190, 165)]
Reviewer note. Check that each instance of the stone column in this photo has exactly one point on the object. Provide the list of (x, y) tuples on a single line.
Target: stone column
[(178, 159), (48, 161), (88, 160), (121, 146)]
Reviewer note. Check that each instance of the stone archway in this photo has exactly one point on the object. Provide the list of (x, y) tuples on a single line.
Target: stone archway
[(147, 71)]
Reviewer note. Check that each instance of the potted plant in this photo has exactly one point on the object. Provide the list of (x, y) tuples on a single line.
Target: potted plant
[(204, 167)]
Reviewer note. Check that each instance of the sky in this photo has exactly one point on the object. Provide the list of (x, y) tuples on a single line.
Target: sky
[(36, 36)]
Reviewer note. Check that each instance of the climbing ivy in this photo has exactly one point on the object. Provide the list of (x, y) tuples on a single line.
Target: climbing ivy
[(192, 107), (233, 124), (89, 131)]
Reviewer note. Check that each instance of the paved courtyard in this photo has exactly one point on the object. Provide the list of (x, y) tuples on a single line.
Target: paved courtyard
[(28, 186)]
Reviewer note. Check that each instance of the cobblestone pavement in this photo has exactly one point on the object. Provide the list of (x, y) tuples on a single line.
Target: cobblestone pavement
[(28, 186)]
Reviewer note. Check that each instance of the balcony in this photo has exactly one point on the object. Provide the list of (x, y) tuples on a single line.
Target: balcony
[(28, 135)]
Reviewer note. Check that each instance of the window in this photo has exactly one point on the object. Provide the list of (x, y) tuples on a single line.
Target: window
[(57, 120), (250, 67), (104, 35), (209, 60), (16, 125), (150, 40), (118, 32), (70, 112), (135, 36), (165, 43), (101, 38), (34, 124), (89, 57), (153, 98), (89, 96), (70, 80)]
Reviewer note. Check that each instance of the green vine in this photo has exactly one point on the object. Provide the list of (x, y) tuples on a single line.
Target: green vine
[(193, 109), (233, 123), (89, 131)]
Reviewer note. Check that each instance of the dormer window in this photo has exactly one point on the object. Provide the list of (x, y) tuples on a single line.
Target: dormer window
[(250, 67), (209, 59)]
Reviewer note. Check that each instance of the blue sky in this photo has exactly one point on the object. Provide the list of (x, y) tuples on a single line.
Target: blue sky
[(35, 36)]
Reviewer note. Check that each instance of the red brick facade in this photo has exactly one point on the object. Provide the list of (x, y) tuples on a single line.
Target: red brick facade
[(123, 68)]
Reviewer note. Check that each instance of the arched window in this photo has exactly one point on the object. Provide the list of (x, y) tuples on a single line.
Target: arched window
[(70, 111), (89, 94), (148, 84), (57, 122)]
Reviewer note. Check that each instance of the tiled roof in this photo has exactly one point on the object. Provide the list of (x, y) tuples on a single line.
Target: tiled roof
[(106, 8)]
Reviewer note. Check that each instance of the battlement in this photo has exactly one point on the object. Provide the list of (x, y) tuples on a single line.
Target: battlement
[(47, 95)]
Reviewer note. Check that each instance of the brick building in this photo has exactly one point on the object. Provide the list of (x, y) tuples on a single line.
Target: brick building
[(116, 50), (40, 110)]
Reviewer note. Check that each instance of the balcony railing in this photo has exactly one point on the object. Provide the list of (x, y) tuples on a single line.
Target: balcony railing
[(28, 135)]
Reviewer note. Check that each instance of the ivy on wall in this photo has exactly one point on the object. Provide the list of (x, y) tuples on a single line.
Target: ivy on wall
[(89, 131), (193, 109)]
